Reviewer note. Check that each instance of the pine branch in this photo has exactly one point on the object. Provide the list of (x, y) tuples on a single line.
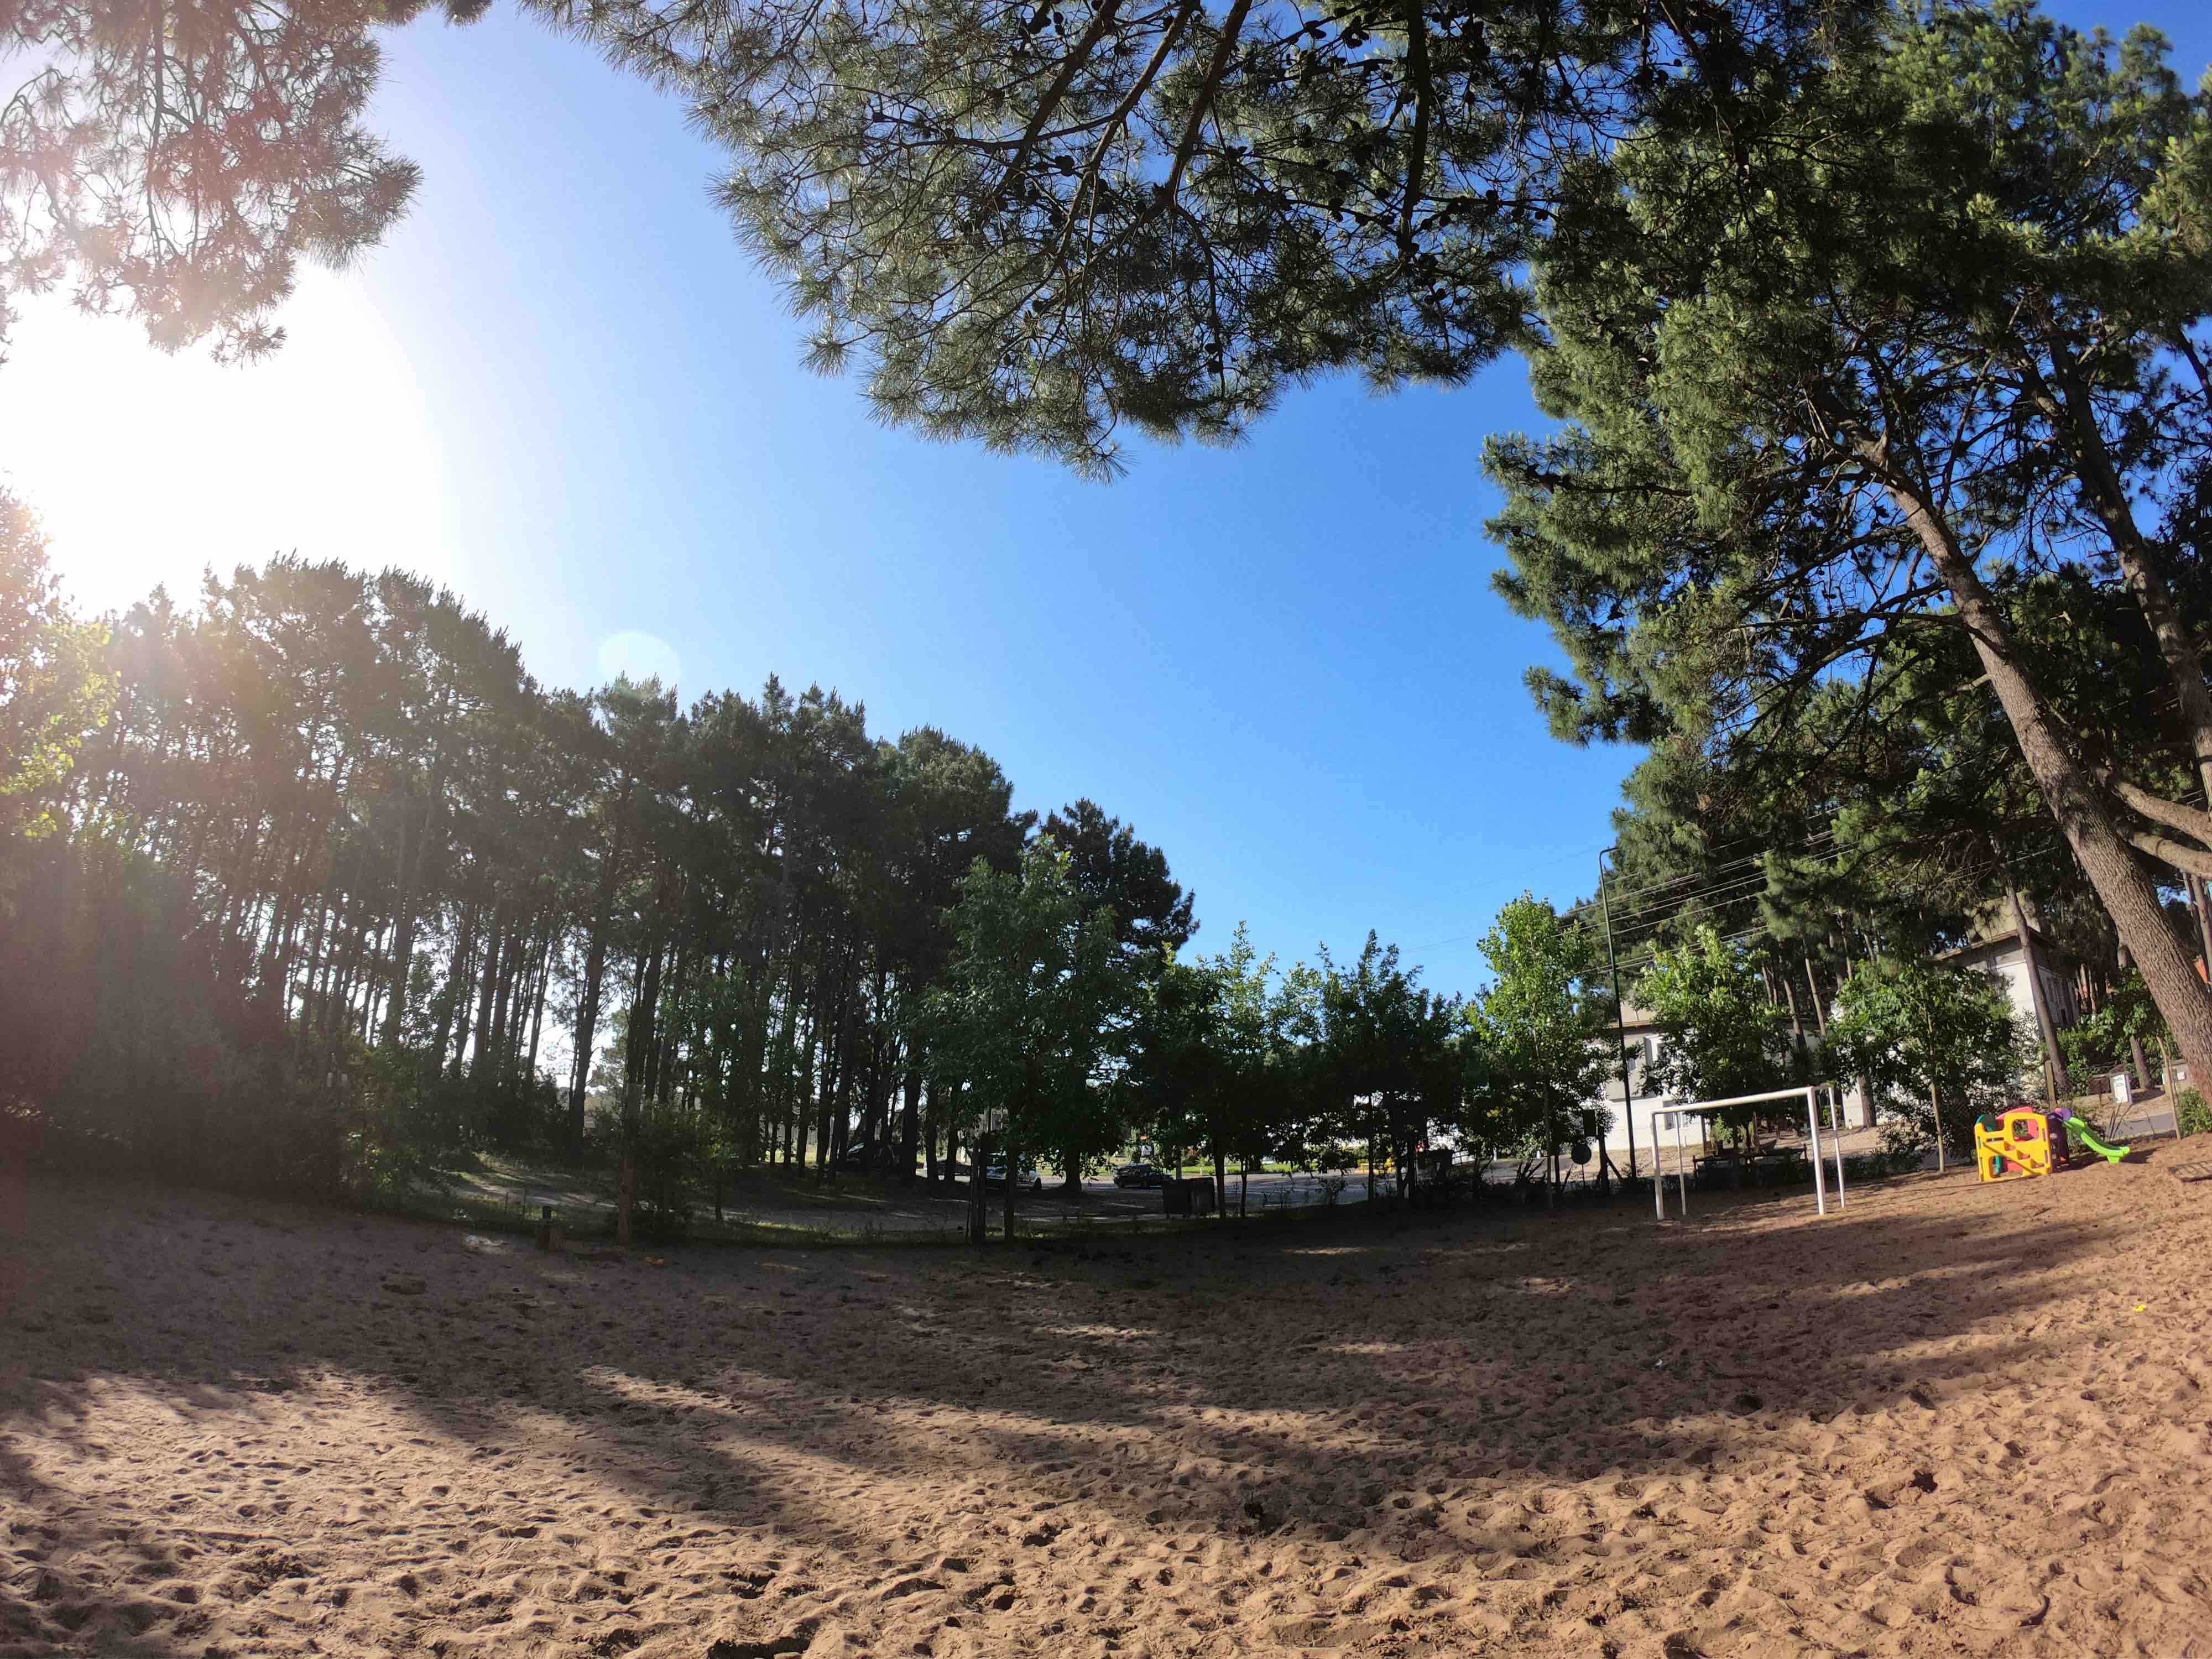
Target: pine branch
[(2174, 816), (1417, 72), (1101, 21), (2193, 859), (1216, 72)]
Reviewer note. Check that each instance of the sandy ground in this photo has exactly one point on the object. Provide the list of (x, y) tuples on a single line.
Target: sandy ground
[(1955, 1419)]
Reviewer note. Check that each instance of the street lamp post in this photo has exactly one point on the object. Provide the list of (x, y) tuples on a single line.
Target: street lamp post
[(1619, 1017)]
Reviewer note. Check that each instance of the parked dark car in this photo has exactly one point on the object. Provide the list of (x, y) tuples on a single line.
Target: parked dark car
[(869, 1156), (994, 1175), (1140, 1175)]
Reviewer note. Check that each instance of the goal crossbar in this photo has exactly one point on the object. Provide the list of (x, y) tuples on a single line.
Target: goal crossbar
[(1672, 1117)]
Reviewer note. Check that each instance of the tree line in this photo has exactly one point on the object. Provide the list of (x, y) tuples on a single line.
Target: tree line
[(312, 886), (333, 861)]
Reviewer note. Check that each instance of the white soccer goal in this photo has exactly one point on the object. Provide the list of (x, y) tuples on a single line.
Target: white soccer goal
[(1673, 1117)]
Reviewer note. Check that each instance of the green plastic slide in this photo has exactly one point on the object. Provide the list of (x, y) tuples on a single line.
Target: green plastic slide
[(2089, 1138)]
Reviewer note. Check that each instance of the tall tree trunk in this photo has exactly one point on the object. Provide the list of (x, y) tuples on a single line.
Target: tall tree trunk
[(487, 992), (492, 1035), (537, 1002), (659, 1060), (830, 1093), (588, 1004), (456, 989), (2104, 855), (2200, 901), (466, 981), (586, 1036), (514, 1011), (407, 902), (978, 1214), (1820, 1004), (639, 1036), (910, 1121), (1796, 1020)]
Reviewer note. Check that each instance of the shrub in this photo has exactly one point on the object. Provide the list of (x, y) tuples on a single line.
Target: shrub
[(669, 1152), (395, 1128), (2192, 1114), (1881, 1164)]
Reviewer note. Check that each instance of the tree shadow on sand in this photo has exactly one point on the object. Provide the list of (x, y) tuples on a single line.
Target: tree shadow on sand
[(1420, 1396)]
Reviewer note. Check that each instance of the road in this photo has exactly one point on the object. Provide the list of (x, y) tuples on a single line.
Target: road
[(1268, 1191), (2143, 1120)]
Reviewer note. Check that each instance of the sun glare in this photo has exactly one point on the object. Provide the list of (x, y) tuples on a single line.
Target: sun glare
[(640, 656), (148, 469)]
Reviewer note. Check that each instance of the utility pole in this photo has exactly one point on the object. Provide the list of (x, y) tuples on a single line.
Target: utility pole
[(1620, 1021)]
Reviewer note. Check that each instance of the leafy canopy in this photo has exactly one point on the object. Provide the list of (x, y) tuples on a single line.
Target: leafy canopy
[(1536, 1027), (176, 161), (1721, 1036), (54, 690), (1031, 1004)]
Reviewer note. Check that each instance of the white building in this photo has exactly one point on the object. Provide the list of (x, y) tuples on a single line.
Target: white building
[(2003, 955), (1639, 1034)]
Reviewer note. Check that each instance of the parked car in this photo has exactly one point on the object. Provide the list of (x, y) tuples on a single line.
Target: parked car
[(869, 1156), (995, 1175), (1140, 1175)]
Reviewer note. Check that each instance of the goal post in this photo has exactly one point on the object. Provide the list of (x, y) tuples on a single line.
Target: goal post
[(1673, 1117)]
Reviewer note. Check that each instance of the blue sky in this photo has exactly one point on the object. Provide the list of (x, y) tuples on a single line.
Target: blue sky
[(563, 388)]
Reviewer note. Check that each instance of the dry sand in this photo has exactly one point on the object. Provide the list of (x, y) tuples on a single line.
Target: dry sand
[(1954, 1420)]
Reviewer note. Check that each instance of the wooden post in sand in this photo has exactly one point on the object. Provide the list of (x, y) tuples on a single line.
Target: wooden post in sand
[(979, 1221)]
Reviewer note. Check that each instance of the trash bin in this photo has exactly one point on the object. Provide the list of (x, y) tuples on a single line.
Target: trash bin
[(1191, 1197)]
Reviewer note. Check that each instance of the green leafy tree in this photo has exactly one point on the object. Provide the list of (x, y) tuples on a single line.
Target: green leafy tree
[(1937, 1042), (2118, 1033), (1176, 1081), (1388, 1058), (1304, 1127), (1031, 1010), (1116, 871), (327, 891), (54, 692), (1722, 1034), (1538, 1032), (1028, 225), (1256, 1061)]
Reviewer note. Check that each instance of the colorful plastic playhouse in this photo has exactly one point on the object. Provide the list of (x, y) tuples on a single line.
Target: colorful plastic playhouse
[(2014, 1145), (2022, 1142)]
